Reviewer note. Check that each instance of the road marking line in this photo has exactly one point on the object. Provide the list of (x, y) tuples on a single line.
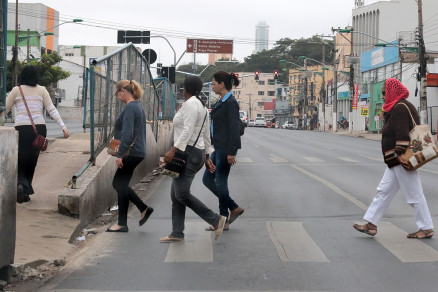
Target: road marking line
[(196, 248), (347, 159), (244, 159), (276, 158), (313, 159), (406, 250), (293, 243), (333, 187), (372, 158)]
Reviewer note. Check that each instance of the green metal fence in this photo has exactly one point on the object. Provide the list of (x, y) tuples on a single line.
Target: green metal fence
[(102, 107), (168, 100)]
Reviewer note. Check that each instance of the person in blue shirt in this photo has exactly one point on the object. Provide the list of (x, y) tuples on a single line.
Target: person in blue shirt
[(130, 129), (225, 137)]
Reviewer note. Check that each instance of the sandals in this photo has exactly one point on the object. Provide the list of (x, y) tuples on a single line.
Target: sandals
[(212, 228), (171, 239), (420, 234), (368, 228)]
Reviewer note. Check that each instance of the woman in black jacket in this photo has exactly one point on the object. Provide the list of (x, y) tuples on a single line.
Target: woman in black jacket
[(225, 137)]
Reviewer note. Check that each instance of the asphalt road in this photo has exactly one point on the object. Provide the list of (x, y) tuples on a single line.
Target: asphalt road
[(301, 191)]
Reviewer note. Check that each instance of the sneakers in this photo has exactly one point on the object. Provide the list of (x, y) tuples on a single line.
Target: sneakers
[(220, 227), (236, 213)]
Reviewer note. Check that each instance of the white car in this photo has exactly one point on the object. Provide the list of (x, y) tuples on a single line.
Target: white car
[(288, 125), (251, 123), (260, 122)]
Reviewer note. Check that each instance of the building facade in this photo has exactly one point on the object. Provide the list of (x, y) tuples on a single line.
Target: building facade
[(35, 21)]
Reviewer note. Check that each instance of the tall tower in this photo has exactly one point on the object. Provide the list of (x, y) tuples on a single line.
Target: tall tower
[(262, 37)]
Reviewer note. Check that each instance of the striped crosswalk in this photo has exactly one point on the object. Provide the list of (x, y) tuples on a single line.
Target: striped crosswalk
[(293, 243)]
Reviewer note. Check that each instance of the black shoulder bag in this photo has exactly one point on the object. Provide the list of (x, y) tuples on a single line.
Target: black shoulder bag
[(176, 167)]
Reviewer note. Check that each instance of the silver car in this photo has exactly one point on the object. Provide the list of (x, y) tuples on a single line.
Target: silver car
[(260, 122)]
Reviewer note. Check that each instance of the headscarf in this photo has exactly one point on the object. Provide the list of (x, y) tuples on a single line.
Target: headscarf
[(394, 91)]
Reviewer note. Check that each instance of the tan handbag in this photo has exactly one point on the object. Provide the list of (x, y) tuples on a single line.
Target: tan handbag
[(422, 147), (114, 145)]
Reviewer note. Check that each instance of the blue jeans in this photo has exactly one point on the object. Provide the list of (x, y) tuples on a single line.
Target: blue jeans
[(217, 182)]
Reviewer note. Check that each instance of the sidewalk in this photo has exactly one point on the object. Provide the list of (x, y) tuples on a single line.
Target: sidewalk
[(359, 134), (43, 233)]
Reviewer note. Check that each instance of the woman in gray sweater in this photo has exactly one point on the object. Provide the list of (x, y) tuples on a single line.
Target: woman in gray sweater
[(130, 128)]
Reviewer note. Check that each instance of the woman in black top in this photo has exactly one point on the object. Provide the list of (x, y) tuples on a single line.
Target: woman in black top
[(225, 137)]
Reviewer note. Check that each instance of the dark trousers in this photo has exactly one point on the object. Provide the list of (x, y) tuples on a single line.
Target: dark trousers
[(124, 193), (182, 197), (27, 155), (217, 182)]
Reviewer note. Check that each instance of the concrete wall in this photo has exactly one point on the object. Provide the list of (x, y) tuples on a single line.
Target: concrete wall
[(94, 193), (8, 194)]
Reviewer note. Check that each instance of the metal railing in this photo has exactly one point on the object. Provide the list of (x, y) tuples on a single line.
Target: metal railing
[(168, 100), (102, 107)]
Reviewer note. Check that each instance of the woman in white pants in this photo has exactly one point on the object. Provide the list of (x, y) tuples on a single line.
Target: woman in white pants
[(395, 141)]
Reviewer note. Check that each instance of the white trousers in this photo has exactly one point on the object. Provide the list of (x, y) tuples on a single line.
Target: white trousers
[(409, 182)]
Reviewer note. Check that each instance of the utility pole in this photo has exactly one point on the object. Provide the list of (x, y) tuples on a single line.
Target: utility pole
[(322, 92), (351, 74), (335, 87), (28, 46), (250, 105), (423, 66), (305, 95), (15, 50)]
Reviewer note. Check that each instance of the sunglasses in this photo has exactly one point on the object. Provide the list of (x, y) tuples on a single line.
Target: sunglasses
[(118, 90)]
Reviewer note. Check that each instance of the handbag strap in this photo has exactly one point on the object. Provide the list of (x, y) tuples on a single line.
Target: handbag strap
[(413, 121), (27, 109), (196, 141)]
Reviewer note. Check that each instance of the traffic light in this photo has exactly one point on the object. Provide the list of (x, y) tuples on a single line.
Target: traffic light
[(169, 73), (257, 73), (275, 74), (237, 75)]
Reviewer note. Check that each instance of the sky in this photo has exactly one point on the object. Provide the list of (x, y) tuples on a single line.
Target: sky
[(178, 20)]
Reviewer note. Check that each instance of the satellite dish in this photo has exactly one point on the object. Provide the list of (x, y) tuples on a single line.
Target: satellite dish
[(150, 55)]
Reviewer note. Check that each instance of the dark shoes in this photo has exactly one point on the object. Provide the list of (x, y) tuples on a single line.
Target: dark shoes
[(235, 213), (121, 229), (21, 196), (145, 218)]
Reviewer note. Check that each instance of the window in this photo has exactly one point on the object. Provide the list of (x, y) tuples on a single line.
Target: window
[(261, 82), (271, 93), (261, 93), (69, 54), (260, 103), (271, 81)]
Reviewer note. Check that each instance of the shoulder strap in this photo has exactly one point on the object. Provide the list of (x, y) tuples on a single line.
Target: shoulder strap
[(413, 121), (200, 129), (27, 109)]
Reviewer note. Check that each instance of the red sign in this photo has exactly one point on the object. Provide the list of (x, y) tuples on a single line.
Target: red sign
[(209, 46), (355, 96)]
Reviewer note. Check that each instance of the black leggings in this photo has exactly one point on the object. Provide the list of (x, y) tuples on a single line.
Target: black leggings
[(124, 192), (27, 155)]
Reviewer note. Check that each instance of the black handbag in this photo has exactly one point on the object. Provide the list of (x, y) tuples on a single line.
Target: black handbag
[(178, 163)]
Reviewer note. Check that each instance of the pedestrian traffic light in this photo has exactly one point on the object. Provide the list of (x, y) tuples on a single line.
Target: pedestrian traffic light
[(236, 74), (257, 73), (169, 73), (275, 74)]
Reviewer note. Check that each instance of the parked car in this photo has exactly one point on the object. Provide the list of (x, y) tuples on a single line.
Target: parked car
[(251, 123), (288, 125), (260, 122)]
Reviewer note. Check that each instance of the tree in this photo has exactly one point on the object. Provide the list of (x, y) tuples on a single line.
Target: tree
[(49, 74)]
